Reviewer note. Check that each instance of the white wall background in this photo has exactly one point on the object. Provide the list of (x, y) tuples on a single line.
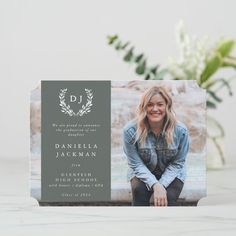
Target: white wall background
[(62, 40)]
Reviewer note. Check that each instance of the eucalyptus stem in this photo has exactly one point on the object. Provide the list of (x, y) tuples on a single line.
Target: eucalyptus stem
[(220, 151), (229, 81)]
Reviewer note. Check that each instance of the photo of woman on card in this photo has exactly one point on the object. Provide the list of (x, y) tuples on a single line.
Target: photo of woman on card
[(156, 145)]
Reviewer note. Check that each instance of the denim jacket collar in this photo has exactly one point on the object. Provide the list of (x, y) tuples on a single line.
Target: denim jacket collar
[(162, 133)]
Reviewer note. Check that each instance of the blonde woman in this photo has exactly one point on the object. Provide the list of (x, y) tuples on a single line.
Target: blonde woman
[(156, 146)]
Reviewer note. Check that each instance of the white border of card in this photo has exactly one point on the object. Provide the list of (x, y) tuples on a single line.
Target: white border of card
[(189, 103)]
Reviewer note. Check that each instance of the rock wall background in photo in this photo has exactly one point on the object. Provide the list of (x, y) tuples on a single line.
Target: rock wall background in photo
[(190, 107)]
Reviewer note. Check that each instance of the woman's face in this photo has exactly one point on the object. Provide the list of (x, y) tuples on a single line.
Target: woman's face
[(156, 109)]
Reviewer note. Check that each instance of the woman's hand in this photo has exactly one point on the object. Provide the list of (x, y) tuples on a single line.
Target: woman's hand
[(159, 195)]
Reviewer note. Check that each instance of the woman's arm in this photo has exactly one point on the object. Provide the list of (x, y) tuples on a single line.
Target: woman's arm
[(135, 162), (177, 164)]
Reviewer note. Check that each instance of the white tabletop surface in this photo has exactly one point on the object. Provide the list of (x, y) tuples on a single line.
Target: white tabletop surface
[(21, 215)]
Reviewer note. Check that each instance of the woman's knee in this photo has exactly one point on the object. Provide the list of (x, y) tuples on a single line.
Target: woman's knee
[(140, 193), (173, 191), (138, 187)]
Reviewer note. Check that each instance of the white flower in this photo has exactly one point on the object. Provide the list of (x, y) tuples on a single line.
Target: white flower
[(193, 54)]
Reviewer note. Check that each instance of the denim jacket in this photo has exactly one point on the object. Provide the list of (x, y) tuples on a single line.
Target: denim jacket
[(170, 159)]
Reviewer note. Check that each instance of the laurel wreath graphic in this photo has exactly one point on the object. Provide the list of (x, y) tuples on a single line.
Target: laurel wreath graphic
[(68, 110)]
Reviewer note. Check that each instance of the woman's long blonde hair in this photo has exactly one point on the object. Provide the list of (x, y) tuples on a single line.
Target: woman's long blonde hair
[(141, 117)]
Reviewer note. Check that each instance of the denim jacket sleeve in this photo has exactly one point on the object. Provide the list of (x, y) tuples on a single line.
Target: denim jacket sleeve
[(178, 162), (134, 160)]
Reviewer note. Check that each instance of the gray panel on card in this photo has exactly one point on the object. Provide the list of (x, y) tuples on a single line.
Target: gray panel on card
[(75, 141)]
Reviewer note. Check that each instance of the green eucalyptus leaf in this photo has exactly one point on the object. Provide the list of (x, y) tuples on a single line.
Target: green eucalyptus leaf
[(214, 96), (139, 57), (112, 39), (211, 105), (129, 55), (140, 69), (225, 47), (147, 77), (154, 69), (125, 45), (212, 66), (161, 74), (118, 45)]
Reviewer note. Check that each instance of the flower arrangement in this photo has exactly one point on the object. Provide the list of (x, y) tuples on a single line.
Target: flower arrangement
[(198, 61)]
